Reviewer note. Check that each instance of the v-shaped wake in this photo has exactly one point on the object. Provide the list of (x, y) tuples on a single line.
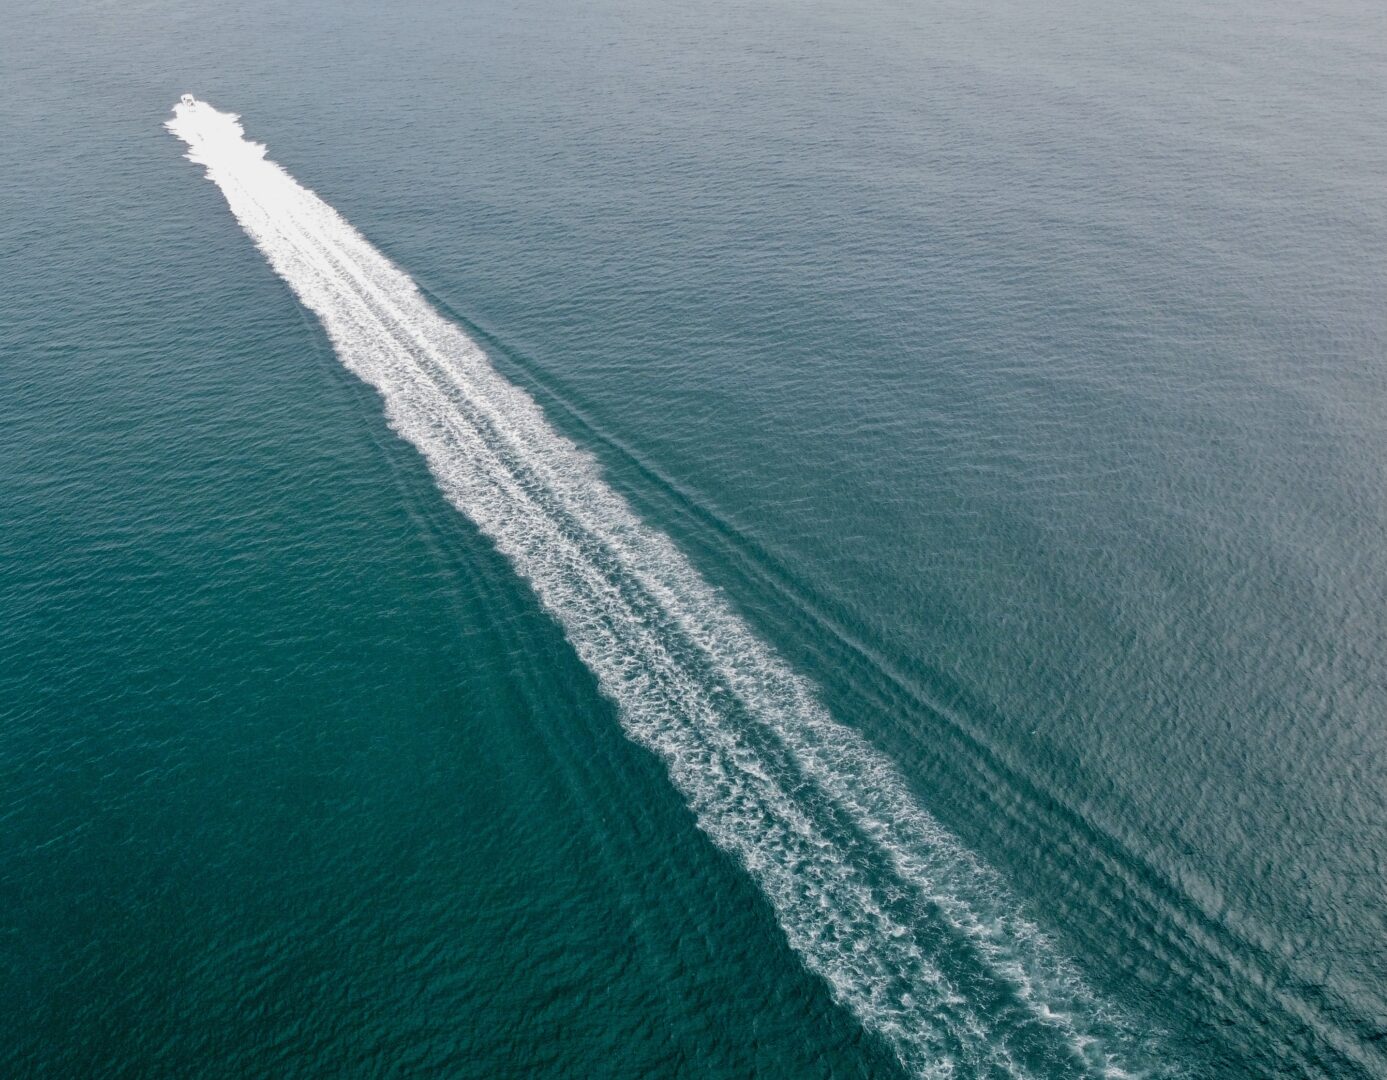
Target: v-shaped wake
[(912, 933)]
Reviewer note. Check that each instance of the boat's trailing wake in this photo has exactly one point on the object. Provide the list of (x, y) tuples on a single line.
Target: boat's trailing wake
[(914, 935)]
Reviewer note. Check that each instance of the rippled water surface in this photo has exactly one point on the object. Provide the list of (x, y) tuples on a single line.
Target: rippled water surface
[(803, 540)]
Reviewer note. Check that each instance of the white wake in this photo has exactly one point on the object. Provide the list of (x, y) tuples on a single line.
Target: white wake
[(911, 932)]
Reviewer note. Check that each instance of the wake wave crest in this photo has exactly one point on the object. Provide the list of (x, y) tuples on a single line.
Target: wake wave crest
[(912, 933)]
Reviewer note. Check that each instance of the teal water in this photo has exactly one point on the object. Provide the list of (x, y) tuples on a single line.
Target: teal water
[(1014, 378)]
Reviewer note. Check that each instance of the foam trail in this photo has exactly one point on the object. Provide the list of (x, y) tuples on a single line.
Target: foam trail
[(912, 933)]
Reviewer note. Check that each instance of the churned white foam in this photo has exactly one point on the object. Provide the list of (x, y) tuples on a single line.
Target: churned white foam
[(912, 933)]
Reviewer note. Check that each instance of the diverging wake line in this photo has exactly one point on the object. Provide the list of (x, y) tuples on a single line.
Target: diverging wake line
[(912, 933)]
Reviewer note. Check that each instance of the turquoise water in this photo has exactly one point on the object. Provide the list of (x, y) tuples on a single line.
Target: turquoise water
[(1010, 382)]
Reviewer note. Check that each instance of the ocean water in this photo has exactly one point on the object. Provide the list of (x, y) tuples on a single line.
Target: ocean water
[(719, 540)]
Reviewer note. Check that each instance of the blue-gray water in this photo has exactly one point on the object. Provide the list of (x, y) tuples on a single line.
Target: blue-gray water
[(1014, 376)]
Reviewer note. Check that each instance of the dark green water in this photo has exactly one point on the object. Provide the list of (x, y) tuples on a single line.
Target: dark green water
[(1017, 375)]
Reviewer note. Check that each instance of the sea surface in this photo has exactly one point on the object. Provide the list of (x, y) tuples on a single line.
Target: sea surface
[(709, 540)]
